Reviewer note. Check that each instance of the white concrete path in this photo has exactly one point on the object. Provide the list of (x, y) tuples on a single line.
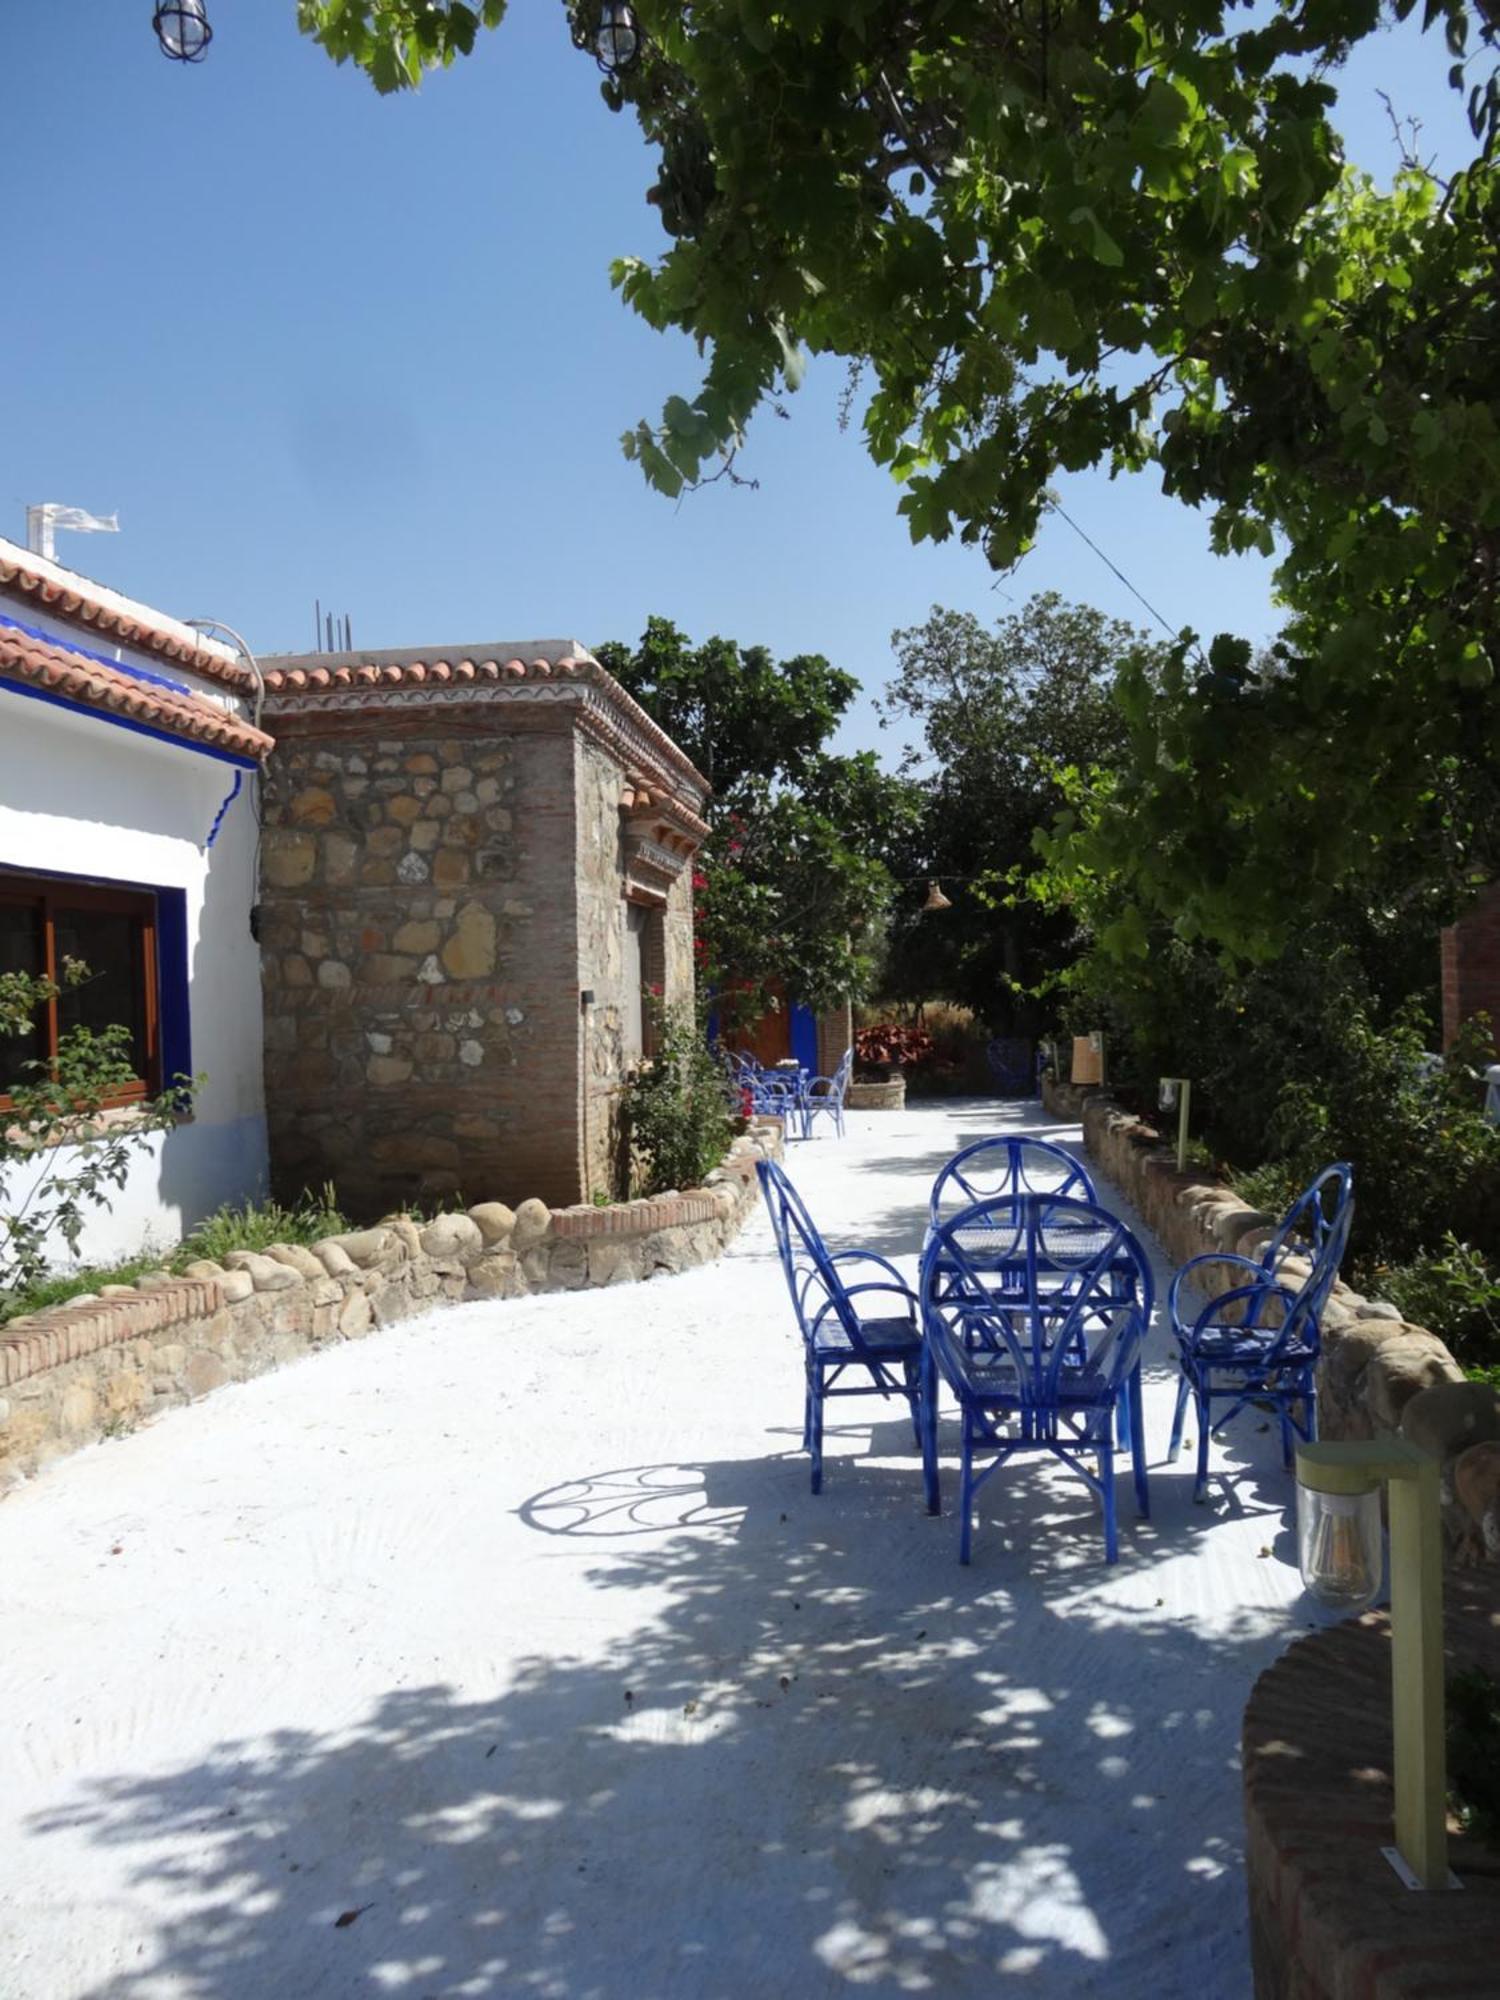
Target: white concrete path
[(507, 1653)]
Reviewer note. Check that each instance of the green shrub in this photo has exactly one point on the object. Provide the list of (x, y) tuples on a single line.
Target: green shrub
[(1307, 1062), (62, 1148), (58, 1289), (1273, 1186), (1474, 1753), (257, 1225), (676, 1121), (1454, 1293), (1426, 1161)]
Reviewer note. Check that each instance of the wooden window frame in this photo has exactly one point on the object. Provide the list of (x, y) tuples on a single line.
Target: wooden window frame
[(49, 893)]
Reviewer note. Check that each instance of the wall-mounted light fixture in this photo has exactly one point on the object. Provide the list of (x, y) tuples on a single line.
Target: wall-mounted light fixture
[(1339, 1554)]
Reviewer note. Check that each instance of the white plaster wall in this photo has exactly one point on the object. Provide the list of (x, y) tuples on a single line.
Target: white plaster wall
[(81, 796)]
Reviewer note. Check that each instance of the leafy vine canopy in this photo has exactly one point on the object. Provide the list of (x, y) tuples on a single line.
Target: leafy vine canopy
[(1054, 236)]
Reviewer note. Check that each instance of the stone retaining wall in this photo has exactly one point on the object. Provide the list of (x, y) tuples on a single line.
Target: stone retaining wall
[(886, 1095), (1379, 1376), (103, 1363)]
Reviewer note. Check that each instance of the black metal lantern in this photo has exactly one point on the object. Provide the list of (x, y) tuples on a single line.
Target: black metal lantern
[(618, 38), (182, 29)]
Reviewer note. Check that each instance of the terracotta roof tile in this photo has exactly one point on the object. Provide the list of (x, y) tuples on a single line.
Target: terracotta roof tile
[(78, 599), (420, 673), (164, 706), (314, 676)]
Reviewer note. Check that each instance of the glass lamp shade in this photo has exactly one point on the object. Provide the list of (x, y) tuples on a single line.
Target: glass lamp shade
[(1339, 1546), (182, 29), (1166, 1094), (617, 43)]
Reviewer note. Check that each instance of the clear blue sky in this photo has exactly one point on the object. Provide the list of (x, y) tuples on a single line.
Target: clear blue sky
[(313, 343)]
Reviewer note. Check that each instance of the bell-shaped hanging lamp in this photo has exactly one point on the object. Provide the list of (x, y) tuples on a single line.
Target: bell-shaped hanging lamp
[(936, 900)]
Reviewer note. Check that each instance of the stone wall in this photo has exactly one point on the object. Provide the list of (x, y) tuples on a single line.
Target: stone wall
[(887, 1096), (102, 1364), (1378, 1377), (439, 891), (605, 896), (407, 940), (601, 959)]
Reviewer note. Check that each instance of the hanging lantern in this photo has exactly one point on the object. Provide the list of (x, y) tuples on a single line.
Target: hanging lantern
[(936, 900), (618, 38), (182, 29)]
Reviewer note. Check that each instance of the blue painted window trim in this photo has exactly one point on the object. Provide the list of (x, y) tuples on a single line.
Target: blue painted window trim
[(174, 1001), (804, 1036)]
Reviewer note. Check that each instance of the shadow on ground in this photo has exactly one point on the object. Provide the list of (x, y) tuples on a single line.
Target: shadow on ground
[(827, 1758)]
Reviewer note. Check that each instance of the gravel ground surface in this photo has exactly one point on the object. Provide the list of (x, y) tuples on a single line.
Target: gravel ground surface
[(507, 1653)]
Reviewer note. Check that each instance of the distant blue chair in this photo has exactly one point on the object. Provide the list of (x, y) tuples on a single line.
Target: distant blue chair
[(1044, 1362), (883, 1350), (1258, 1343), (1011, 1067), (775, 1093), (824, 1097)]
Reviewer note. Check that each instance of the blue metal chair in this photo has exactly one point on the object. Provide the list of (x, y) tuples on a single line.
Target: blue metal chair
[(884, 1350), (778, 1094), (991, 1168), (824, 1097), (1011, 1066), (1043, 1363), (1258, 1343)]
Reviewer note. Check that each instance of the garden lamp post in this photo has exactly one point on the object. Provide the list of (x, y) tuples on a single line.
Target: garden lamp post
[(182, 29), (1338, 1552), (1173, 1094)]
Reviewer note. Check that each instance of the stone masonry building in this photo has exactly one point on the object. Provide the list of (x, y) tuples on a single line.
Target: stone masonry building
[(475, 870)]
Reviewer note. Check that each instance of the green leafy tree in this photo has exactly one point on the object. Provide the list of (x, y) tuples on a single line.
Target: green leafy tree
[(1003, 713), (1118, 235), (796, 876), (60, 1155), (739, 713)]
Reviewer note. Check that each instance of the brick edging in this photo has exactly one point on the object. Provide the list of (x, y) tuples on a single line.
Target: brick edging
[(1328, 1916), (79, 1370)]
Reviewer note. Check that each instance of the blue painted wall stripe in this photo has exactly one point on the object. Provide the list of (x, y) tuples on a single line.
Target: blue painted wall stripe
[(136, 728)]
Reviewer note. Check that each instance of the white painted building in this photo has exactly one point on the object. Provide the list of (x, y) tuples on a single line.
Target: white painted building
[(128, 789)]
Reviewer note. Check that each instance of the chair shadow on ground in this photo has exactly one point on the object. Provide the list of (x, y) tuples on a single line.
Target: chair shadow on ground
[(826, 1755)]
